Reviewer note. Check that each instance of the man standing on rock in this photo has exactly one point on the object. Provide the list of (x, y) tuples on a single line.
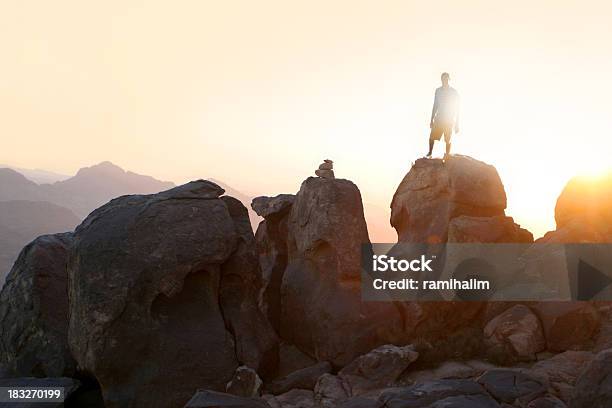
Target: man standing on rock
[(444, 115)]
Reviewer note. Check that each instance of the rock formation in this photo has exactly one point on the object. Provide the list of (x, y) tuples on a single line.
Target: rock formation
[(34, 311), (271, 237), (436, 191), (321, 284), (155, 306), (326, 169), (583, 212)]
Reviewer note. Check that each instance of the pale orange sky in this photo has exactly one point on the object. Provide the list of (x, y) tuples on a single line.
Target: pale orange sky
[(256, 93)]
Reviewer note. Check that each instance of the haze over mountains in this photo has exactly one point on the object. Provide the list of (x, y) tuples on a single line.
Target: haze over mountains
[(37, 202)]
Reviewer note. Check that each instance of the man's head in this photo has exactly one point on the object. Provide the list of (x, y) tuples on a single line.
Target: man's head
[(445, 77)]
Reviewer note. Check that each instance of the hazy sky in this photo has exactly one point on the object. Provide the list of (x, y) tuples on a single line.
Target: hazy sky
[(257, 93)]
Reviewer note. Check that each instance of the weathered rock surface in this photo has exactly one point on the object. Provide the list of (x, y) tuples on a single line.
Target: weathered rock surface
[(296, 398), (517, 331), (510, 386), (148, 278), (244, 383), (330, 391), (547, 402), (562, 370), (594, 386), (434, 192), (34, 311), (256, 342), (568, 325), (271, 237), (305, 378), (377, 369), (448, 370), (321, 284), (438, 394), (214, 399), (496, 229)]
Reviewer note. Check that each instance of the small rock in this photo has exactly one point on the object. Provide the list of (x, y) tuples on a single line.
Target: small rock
[(360, 402), (568, 325), (378, 368), (547, 402), (245, 383), (510, 385), (306, 379), (214, 399), (326, 165), (517, 330), (328, 174), (268, 206), (330, 391), (293, 399), (439, 392)]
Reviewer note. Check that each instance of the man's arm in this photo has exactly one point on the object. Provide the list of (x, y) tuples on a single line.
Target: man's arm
[(434, 110), (457, 114)]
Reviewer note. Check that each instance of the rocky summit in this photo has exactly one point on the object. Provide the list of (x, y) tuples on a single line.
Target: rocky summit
[(170, 300)]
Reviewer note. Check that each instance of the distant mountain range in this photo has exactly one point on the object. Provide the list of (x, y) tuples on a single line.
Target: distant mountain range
[(38, 176), (22, 221), (37, 202), (30, 206)]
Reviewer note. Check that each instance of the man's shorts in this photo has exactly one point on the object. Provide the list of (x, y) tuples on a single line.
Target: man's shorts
[(440, 129)]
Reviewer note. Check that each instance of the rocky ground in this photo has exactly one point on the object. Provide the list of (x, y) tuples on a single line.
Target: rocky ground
[(170, 300)]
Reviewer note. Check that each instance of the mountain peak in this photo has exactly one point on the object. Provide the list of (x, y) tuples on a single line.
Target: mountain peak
[(12, 177), (105, 167)]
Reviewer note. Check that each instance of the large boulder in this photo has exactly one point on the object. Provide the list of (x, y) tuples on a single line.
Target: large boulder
[(594, 386), (583, 212), (588, 199), (156, 310), (34, 311), (435, 191), (321, 308)]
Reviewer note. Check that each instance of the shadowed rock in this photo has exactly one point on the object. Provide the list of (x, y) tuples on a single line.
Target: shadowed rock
[(213, 399), (148, 278), (511, 385), (594, 386), (271, 238), (377, 369), (321, 308), (34, 311), (306, 378)]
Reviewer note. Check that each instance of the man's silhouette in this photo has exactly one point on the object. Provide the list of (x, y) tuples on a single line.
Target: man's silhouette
[(444, 115)]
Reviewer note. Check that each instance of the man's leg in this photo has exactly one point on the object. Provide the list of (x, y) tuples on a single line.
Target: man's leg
[(431, 145), (447, 139)]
